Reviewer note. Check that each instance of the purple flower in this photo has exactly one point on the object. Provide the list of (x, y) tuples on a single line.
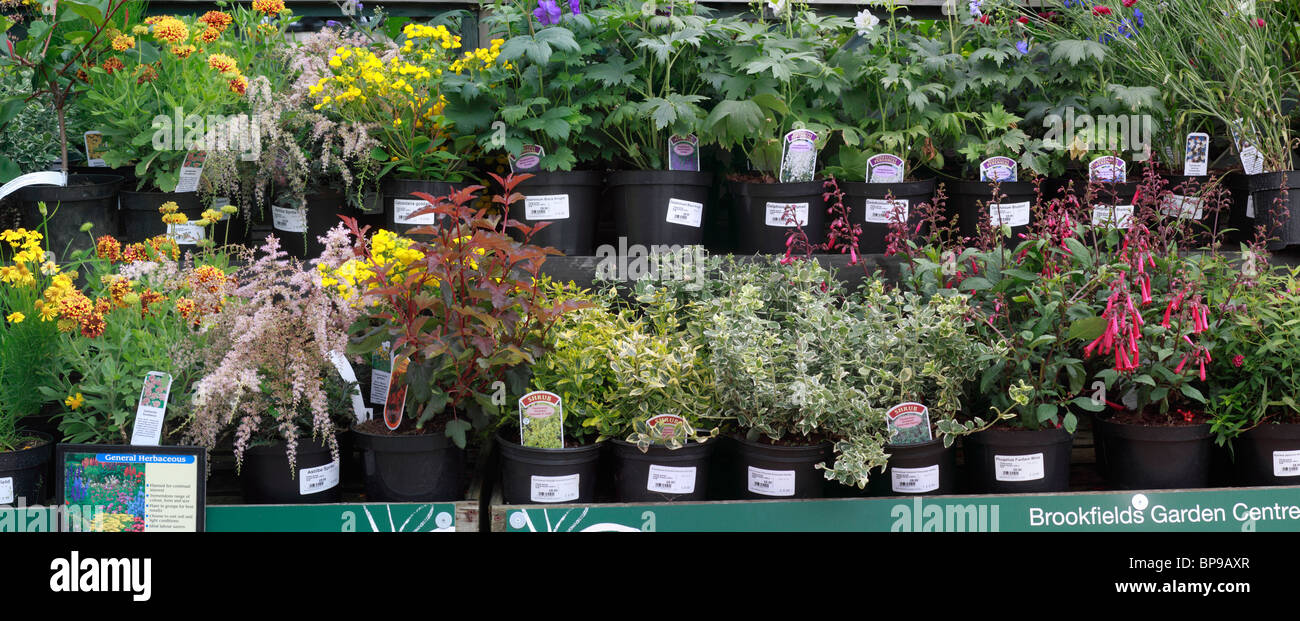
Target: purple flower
[(547, 12), (575, 7), (1023, 47), (1138, 17), (975, 7), (329, 23)]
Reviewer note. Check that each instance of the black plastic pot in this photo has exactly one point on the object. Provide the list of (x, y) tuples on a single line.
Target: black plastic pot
[(868, 206), (265, 478), (1018, 462), (971, 202), (917, 470), (570, 201), (86, 198), (141, 219), (1268, 455), (322, 211), (1153, 457), (772, 472), (537, 475), (26, 472), (659, 207), (758, 210), (399, 203), (1266, 190), (411, 468), (661, 474)]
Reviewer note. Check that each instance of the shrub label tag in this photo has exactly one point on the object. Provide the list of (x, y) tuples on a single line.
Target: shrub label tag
[(684, 153), (1018, 467), (881, 211), (671, 480), (395, 400), (191, 171), (381, 366), (771, 482), (1108, 169), (318, 479), (1196, 157), (554, 489), (289, 219), (94, 154), (404, 207), (776, 214), (6, 490), (909, 423), (665, 426), (546, 207), (1010, 214), (541, 420), (998, 169), (799, 156), (914, 480), (530, 157), (1112, 216), (151, 409), (885, 168), (1285, 464), (688, 213)]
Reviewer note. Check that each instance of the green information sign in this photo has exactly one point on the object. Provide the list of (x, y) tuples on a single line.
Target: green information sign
[(1229, 509), (340, 518)]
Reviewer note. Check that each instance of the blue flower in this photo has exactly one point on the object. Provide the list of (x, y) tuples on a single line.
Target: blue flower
[(575, 7), (547, 12), (975, 7), (1023, 47), (329, 23), (1139, 17), (1126, 28)]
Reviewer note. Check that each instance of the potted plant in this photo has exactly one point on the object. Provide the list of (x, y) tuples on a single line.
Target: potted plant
[(774, 84), (460, 321), (270, 379)]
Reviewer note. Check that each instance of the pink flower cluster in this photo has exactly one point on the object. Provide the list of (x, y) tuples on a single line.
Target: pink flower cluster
[(1123, 329)]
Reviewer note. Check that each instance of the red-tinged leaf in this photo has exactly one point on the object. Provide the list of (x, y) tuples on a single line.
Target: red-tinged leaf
[(423, 229)]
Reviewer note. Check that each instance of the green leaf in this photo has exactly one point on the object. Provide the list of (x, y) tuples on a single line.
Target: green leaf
[(1088, 405), (1075, 51), (975, 283), (1086, 329), (1046, 412), (1192, 393), (456, 430)]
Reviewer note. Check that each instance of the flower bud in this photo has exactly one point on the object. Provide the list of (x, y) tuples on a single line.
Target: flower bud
[(85, 228)]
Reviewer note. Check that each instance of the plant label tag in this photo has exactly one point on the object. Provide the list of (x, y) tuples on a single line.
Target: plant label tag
[(799, 156), (318, 479), (684, 153), (94, 153), (1250, 206), (671, 480), (882, 211), (665, 426), (6, 490), (1179, 206), (1108, 169), (998, 169), (1010, 214), (395, 401), (546, 207), (775, 215), (909, 423), (381, 366), (344, 367), (1196, 156), (289, 219), (404, 207), (1285, 464), (1252, 163), (187, 234), (1018, 467), (771, 482), (44, 177), (885, 168), (530, 157), (541, 420), (684, 212), (191, 171), (1112, 216), (151, 410), (914, 480), (554, 489)]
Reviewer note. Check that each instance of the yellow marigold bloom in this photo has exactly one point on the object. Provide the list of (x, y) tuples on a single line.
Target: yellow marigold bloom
[(168, 207), (238, 84), (183, 51), (222, 63), (74, 401), (270, 7), (208, 35), (16, 317), (122, 43), (171, 30), (216, 20)]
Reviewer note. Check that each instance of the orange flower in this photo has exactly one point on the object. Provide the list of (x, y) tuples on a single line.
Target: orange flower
[(165, 247), (183, 51), (83, 76), (208, 36), (122, 43), (107, 247), (222, 63), (113, 64), (208, 277), (155, 19), (118, 287), (171, 30), (147, 74), (216, 20), (92, 325), (134, 252), (187, 308), (270, 7), (147, 297), (239, 84)]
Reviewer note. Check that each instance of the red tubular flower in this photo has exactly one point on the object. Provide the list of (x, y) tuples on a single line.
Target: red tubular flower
[(1129, 3), (1024, 21), (1100, 10), (1181, 363), (983, 19)]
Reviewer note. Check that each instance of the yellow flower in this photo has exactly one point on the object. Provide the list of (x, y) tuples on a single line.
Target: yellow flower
[(222, 63), (139, 29), (74, 401), (270, 7), (183, 51), (122, 43), (16, 317), (168, 207), (171, 30)]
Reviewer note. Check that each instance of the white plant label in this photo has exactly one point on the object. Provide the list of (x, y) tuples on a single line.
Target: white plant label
[(44, 177), (151, 409), (344, 367), (685, 212), (1250, 206), (378, 385), (93, 141), (546, 207), (1285, 464), (998, 169), (1013, 214), (1196, 155), (881, 211), (671, 480), (191, 171), (1252, 162), (554, 489), (1179, 206), (6, 490), (775, 215), (914, 480), (798, 157), (318, 479), (404, 207), (185, 234), (1018, 467), (1112, 216), (288, 219), (771, 482), (885, 168)]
